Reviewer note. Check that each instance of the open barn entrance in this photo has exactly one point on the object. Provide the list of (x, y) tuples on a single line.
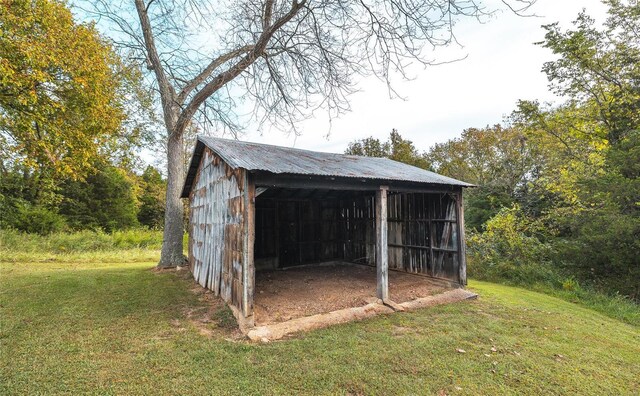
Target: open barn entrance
[(297, 227), (315, 250)]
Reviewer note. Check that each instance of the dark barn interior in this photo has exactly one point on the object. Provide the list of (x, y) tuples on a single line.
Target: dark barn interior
[(296, 227)]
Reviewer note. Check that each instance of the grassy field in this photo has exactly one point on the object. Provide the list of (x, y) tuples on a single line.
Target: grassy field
[(73, 325)]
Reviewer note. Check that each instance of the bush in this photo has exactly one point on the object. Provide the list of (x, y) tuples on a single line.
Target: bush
[(152, 197), (603, 250), (512, 251), (105, 200), (23, 216), (509, 250)]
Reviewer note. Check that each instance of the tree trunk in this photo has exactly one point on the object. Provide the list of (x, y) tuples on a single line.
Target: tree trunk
[(171, 255)]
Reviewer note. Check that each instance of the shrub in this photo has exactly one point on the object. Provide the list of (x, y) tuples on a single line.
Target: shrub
[(509, 250), (603, 250), (24, 216), (570, 284)]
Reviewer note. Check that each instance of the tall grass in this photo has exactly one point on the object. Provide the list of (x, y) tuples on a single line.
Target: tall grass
[(508, 252), (542, 276), (81, 241), (132, 245)]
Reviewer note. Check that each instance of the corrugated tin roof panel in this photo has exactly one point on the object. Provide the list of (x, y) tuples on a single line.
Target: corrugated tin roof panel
[(277, 159)]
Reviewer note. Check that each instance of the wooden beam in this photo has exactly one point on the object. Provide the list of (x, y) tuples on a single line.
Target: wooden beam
[(382, 255), (248, 265), (294, 181), (276, 225), (462, 259), (432, 236)]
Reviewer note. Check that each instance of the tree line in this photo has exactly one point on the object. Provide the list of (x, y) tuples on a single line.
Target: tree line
[(558, 196), (73, 117), (108, 198)]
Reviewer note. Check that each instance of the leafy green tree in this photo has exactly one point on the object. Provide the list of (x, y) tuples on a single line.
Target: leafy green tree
[(587, 174), (510, 248), (152, 193), (484, 156), (566, 151), (499, 160), (368, 147), (105, 200), (403, 150), (601, 235), (67, 102), (599, 70), (396, 148), (24, 204), (65, 95)]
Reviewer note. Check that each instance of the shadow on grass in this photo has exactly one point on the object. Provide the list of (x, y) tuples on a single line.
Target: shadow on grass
[(127, 296)]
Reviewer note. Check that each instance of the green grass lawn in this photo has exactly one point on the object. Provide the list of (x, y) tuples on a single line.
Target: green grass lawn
[(81, 326)]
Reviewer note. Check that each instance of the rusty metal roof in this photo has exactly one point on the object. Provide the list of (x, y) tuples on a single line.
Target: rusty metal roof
[(279, 160)]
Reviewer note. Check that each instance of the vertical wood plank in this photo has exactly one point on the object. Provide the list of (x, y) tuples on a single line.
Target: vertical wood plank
[(382, 256), (277, 233), (432, 232), (462, 258), (216, 239), (248, 270)]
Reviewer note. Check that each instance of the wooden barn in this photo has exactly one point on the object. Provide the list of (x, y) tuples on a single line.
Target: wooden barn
[(256, 207)]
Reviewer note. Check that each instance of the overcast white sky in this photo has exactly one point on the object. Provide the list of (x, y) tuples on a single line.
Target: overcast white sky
[(502, 66)]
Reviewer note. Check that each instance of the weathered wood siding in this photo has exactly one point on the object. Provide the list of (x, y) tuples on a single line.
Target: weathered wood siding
[(423, 234), (218, 230), (357, 227)]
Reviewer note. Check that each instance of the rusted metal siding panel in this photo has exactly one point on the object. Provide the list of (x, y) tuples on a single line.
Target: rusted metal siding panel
[(217, 225)]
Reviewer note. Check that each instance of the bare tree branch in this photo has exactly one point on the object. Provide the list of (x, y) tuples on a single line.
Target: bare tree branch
[(231, 73), (211, 67)]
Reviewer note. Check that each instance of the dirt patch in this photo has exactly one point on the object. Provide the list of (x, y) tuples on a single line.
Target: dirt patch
[(303, 291), (213, 318)]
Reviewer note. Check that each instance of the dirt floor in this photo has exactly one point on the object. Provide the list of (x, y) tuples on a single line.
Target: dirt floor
[(303, 291)]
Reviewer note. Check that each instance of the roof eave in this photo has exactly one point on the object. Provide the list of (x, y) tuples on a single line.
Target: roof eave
[(193, 168)]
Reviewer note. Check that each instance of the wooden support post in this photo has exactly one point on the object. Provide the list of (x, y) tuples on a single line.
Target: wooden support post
[(462, 259), (248, 265), (382, 255), (276, 226), (432, 234)]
